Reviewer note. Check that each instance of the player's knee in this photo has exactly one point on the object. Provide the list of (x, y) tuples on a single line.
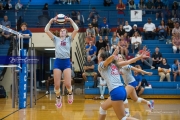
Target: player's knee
[(57, 91), (102, 111), (124, 118)]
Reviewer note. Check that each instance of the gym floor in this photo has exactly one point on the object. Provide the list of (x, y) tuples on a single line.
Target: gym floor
[(85, 109)]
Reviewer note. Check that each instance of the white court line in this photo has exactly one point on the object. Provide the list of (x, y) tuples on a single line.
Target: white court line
[(10, 66)]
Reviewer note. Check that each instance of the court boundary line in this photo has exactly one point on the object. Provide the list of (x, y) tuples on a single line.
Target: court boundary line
[(19, 109)]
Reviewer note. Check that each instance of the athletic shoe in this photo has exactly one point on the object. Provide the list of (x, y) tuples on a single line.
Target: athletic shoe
[(127, 114), (70, 98), (43, 81), (152, 67), (58, 102), (151, 105), (47, 92)]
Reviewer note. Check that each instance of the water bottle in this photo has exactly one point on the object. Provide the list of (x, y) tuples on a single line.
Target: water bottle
[(177, 86)]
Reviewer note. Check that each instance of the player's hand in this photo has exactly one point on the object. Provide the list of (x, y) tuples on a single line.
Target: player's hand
[(149, 73), (67, 18)]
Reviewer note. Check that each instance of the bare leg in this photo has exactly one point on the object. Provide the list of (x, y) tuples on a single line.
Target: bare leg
[(57, 77), (141, 91)]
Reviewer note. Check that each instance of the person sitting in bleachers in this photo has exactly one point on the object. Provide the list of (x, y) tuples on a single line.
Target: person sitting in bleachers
[(138, 78), (89, 37), (162, 30), (100, 43), (127, 27), (170, 26), (136, 41), (8, 5), (156, 57), (102, 87), (175, 18), (120, 8), (90, 29), (94, 24), (142, 6), (120, 31), (104, 27), (149, 30), (147, 61), (6, 22), (176, 42), (176, 69), (93, 14), (135, 29), (176, 29), (89, 69), (149, 6), (6, 35), (108, 48), (159, 8), (18, 5), (107, 2), (123, 45), (80, 18), (114, 42), (132, 5), (91, 50), (164, 70), (126, 38), (175, 8)]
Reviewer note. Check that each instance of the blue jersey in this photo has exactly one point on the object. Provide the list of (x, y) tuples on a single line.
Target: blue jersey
[(26, 40), (174, 67), (92, 50), (62, 47)]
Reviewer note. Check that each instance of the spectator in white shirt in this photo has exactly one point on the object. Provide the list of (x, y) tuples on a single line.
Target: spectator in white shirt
[(127, 27), (18, 6), (149, 30), (102, 87), (136, 41)]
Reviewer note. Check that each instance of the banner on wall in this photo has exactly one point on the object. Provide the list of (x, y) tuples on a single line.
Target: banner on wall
[(136, 15)]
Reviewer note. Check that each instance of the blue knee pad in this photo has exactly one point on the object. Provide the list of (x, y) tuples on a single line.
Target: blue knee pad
[(118, 93)]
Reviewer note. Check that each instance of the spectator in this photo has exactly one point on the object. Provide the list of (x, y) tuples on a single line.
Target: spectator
[(159, 6), (45, 11), (107, 44), (102, 87), (176, 42), (176, 29), (1, 6), (167, 13), (18, 6), (104, 27), (162, 30), (170, 26), (136, 42), (156, 57), (8, 5), (120, 31), (123, 45), (175, 18), (175, 8), (138, 78), (94, 24), (164, 70), (6, 35), (175, 69), (90, 29), (107, 2), (142, 6), (127, 27), (19, 22), (88, 38), (149, 30), (89, 69), (101, 43), (93, 14), (5, 22), (135, 29), (126, 38), (1, 38), (147, 61), (149, 6), (120, 8), (91, 50), (132, 5), (114, 42), (80, 18)]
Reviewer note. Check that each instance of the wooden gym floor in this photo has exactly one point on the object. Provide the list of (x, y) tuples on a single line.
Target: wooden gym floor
[(85, 109)]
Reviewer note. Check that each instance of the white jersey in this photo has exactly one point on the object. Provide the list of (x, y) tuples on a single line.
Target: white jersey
[(127, 74), (110, 75), (62, 47)]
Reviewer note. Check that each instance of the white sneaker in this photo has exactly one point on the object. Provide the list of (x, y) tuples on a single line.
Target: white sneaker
[(151, 105), (70, 98), (47, 92), (58, 103), (152, 67), (43, 81)]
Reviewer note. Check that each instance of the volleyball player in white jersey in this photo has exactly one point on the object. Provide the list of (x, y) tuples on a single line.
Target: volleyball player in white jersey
[(110, 72), (62, 61), (131, 84)]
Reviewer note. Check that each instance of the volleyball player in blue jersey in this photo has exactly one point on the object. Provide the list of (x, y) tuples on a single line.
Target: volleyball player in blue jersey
[(62, 62), (110, 72)]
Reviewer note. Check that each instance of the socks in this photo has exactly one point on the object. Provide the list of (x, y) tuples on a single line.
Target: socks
[(70, 90), (58, 97), (127, 110)]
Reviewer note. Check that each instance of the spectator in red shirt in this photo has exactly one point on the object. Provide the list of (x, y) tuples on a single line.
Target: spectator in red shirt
[(120, 8), (147, 61)]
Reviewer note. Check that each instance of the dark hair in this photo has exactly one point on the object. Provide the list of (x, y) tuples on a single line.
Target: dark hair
[(175, 60), (23, 24), (163, 21), (165, 59)]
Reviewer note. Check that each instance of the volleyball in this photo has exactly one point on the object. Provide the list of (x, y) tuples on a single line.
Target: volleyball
[(60, 18)]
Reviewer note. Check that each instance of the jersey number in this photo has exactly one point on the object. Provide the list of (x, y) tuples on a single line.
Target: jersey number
[(63, 43)]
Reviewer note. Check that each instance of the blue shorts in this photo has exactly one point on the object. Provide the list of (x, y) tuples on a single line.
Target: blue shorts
[(62, 64), (118, 93), (134, 84)]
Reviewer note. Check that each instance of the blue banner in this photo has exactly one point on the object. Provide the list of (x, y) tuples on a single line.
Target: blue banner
[(23, 82)]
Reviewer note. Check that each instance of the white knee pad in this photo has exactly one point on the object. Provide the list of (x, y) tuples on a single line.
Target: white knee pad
[(126, 101), (139, 100), (57, 91), (124, 118), (101, 111), (174, 48)]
